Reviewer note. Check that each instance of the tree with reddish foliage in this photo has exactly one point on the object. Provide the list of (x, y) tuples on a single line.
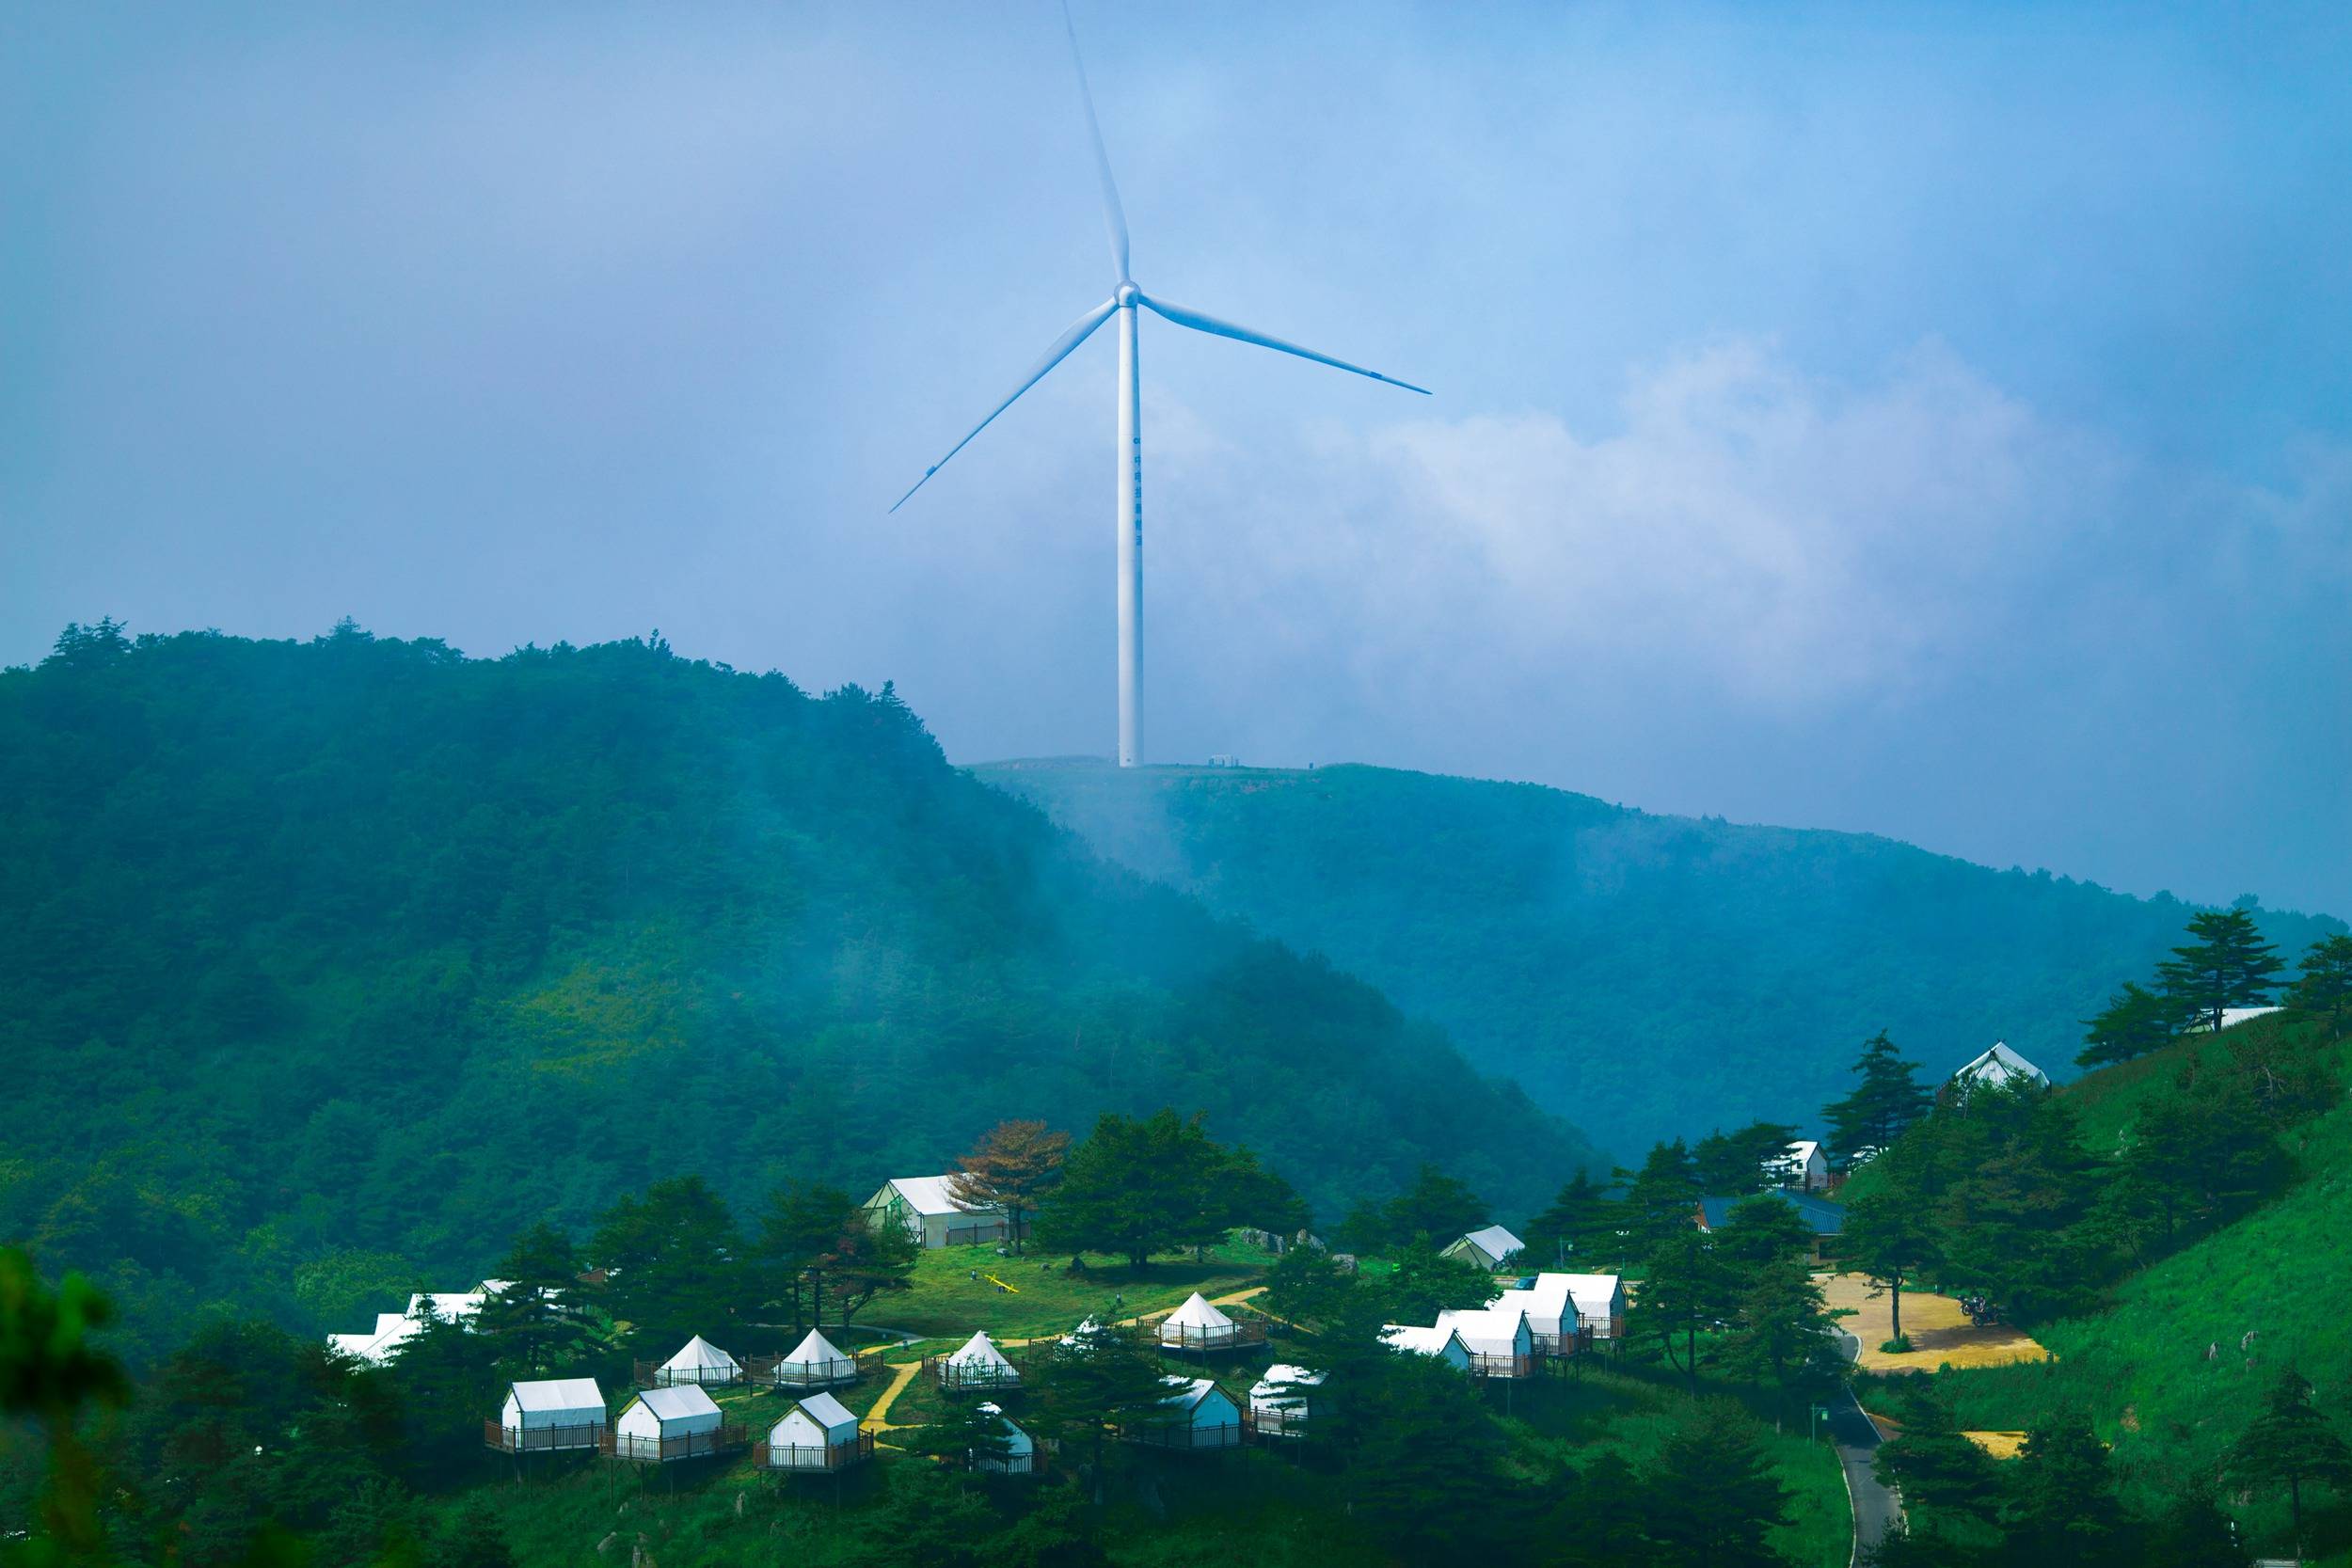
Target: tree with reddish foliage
[(1010, 1169)]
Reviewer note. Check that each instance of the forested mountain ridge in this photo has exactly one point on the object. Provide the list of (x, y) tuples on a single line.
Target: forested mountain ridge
[(330, 966), (1649, 976)]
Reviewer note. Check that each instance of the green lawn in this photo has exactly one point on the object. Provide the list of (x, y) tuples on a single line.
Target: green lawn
[(948, 1303)]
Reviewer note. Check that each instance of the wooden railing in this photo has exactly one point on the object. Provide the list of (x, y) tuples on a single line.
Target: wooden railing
[(653, 1375), (948, 1374), (725, 1438), (1182, 1436), (1200, 1338), (774, 1372), (507, 1440), (1279, 1424), (1497, 1364), (818, 1456)]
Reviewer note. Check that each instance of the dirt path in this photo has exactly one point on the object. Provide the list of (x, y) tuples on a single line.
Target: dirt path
[(878, 1418), (1939, 1331)]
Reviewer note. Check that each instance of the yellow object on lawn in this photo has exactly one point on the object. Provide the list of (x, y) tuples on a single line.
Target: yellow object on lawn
[(1001, 1285)]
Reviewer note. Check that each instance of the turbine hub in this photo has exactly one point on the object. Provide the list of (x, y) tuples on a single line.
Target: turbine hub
[(1126, 295)]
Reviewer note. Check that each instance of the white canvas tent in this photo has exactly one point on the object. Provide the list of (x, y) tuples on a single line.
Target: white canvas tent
[(668, 1423), (1413, 1339), (1196, 1415), (1557, 1305), (1279, 1401), (1490, 1248), (816, 1363), (550, 1414), (699, 1361), (1020, 1456), (817, 1434), (928, 1207), (1498, 1338), (978, 1364), (1802, 1165), (1197, 1326), (2000, 1066)]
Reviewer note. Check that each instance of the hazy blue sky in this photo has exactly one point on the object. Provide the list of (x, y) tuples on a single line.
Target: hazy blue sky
[(1933, 421)]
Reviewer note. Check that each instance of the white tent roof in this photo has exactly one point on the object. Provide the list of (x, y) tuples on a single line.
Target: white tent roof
[(1187, 1392), (1197, 1313), (700, 1354), (980, 1350), (1999, 1065), (815, 1351), (447, 1304), (829, 1412), (1083, 1333), (558, 1393), (1488, 1330), (1801, 1152), (929, 1194), (1495, 1242), (1282, 1381), (2231, 1016), (680, 1403), (1420, 1340)]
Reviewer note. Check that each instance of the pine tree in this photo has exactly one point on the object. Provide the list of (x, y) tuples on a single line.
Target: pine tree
[(1763, 1230), (1582, 1226), (1731, 1165), (2325, 985), (676, 1264), (2290, 1444), (2064, 1511), (2229, 965), (1661, 1199), (1088, 1384), (1435, 1209), (1135, 1187), (2135, 1022), (1783, 1330), (1715, 1497), (1887, 1100), (1887, 1238), (1010, 1169), (536, 1322), (1688, 1287)]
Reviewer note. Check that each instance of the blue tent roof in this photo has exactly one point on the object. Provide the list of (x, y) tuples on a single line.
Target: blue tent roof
[(1825, 1217)]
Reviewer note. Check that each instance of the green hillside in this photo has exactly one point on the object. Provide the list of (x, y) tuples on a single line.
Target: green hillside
[(1647, 977), (2263, 1294), (344, 961)]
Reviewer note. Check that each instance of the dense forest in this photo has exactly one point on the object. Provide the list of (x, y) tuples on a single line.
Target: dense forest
[(1646, 977), (332, 966)]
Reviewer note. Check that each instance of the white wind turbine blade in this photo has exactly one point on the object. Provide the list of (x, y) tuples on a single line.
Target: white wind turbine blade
[(1114, 215), (1200, 322), (1080, 330)]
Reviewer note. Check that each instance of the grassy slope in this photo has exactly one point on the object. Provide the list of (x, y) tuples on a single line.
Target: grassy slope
[(1649, 976), (2283, 1272), (946, 1302)]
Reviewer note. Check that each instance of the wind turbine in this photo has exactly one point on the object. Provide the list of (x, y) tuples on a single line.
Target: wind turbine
[(1123, 303)]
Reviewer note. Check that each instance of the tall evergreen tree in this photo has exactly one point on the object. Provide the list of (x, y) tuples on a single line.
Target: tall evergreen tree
[(2135, 1022), (1715, 1499), (1582, 1228), (1435, 1209), (2324, 988), (1733, 1164), (1783, 1331), (2227, 965), (1088, 1384), (1688, 1289), (538, 1322), (1888, 1238), (2290, 1444), (1011, 1169), (1135, 1187), (2063, 1510), (1661, 1199), (675, 1265), (1888, 1099)]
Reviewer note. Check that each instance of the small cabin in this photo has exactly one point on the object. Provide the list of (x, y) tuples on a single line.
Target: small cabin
[(550, 1416), (664, 1424), (701, 1363), (929, 1210), (817, 1434), (1564, 1309), (1020, 1455), (1490, 1248), (976, 1364), (1498, 1338), (1280, 1402), (1443, 1344), (816, 1362), (1194, 1417), (1802, 1165)]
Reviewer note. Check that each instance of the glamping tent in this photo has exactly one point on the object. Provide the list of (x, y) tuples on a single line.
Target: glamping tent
[(816, 1364), (1804, 1167), (1020, 1455), (377, 1346), (670, 1423), (1197, 1326), (1197, 1415), (1498, 1338), (551, 1415), (1279, 1403), (2000, 1067), (699, 1361), (1412, 1339), (817, 1434), (1490, 1248), (1557, 1305), (978, 1364), (928, 1207)]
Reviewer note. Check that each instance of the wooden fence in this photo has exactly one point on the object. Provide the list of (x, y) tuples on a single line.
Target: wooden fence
[(653, 1375), (949, 1373), (1182, 1436), (816, 1456), (774, 1372), (1201, 1339), (506, 1439), (725, 1438)]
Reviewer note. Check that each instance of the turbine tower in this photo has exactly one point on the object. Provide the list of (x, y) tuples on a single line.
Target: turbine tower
[(1125, 297)]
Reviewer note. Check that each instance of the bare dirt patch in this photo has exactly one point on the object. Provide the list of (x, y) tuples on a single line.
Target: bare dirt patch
[(1939, 1331)]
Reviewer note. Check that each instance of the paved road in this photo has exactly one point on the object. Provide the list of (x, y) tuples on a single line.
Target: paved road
[(1876, 1508)]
